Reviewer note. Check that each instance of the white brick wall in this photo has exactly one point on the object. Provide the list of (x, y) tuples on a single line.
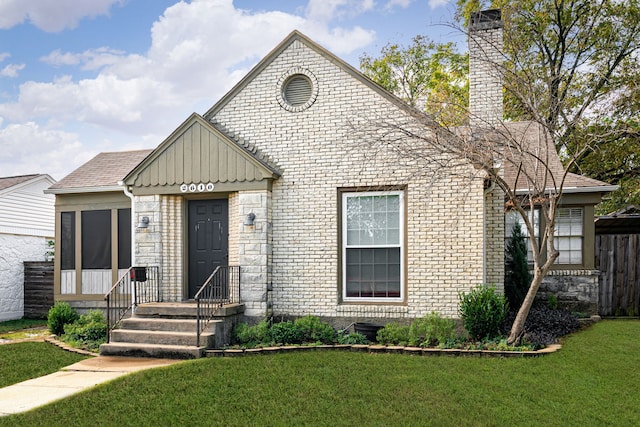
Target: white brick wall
[(485, 77), (14, 250), (315, 151)]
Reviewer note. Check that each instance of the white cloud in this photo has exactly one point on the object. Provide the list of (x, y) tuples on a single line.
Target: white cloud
[(28, 148), (198, 51), (401, 3), (4, 55), (437, 3), (92, 59), (51, 16), (328, 10), (11, 70)]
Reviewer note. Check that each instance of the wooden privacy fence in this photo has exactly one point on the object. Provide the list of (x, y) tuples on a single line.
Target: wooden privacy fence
[(38, 289), (618, 259)]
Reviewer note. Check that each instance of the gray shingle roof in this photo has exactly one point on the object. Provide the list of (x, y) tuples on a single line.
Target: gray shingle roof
[(10, 181), (532, 152), (104, 170)]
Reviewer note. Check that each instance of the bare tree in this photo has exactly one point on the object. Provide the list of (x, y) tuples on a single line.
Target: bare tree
[(559, 60)]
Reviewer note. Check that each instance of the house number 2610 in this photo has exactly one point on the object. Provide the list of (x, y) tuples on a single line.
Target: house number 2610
[(193, 188)]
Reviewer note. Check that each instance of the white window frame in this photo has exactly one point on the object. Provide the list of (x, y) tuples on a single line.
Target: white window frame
[(512, 216), (575, 233), (400, 244)]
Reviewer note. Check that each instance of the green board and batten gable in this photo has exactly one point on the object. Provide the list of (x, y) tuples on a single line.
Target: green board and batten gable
[(199, 158)]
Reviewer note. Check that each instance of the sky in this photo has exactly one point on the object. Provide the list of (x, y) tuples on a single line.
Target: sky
[(81, 77)]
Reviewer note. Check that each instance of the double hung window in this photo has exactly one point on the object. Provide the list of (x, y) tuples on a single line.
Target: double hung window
[(373, 246)]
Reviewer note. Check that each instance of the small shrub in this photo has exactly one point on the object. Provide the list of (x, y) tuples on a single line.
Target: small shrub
[(552, 302), (393, 334), (252, 335), (314, 330), (89, 331), (285, 333), (352, 338), (59, 315), (517, 277), (431, 330), (482, 311)]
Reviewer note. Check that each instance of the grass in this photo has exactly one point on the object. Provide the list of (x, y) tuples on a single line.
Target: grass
[(23, 361), (592, 381), (16, 325)]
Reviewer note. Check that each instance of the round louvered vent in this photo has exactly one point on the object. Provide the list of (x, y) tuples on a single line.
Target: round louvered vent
[(297, 89)]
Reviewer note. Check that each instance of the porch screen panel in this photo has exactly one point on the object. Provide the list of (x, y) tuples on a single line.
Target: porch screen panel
[(68, 240), (96, 239), (124, 238)]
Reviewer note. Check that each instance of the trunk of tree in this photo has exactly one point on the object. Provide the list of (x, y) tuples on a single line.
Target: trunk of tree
[(517, 330)]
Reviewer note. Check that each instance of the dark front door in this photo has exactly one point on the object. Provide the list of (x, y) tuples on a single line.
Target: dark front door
[(208, 240)]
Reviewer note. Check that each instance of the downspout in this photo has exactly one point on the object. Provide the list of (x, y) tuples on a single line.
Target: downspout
[(488, 190), (133, 238)]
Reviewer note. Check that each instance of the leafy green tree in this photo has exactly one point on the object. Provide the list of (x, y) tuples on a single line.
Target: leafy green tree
[(430, 76), (564, 61), (516, 275), (572, 66)]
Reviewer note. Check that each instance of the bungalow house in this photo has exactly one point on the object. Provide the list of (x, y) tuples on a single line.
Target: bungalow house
[(26, 227), (273, 179)]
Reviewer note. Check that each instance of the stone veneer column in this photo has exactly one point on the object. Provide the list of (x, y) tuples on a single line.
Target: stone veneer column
[(254, 251)]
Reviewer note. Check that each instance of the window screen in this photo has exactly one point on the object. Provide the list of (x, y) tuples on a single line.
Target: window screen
[(124, 238), (96, 239), (68, 240)]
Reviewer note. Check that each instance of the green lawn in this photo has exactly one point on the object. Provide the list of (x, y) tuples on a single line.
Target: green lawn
[(23, 361), (593, 381)]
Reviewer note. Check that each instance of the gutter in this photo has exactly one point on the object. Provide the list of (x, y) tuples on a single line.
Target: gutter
[(126, 191), (577, 190)]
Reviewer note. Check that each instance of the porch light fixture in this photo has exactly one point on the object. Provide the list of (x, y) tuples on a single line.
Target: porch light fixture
[(144, 222), (249, 220)]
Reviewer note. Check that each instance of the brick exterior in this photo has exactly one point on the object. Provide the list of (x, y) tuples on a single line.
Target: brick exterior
[(291, 257), (485, 75), (318, 156)]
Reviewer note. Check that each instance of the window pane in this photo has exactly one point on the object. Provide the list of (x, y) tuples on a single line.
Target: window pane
[(124, 238), (96, 239), (379, 279), (68, 240), (373, 245)]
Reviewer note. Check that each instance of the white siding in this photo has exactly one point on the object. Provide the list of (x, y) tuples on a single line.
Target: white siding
[(27, 210)]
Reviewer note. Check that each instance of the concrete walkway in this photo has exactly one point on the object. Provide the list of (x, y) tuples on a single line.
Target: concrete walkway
[(80, 376)]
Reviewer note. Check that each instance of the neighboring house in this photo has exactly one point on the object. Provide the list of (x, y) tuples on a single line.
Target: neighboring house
[(26, 226), (273, 178)]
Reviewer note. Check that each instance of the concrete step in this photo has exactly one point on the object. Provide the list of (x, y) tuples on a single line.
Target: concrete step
[(168, 310), (183, 310), (207, 339), (151, 350), (165, 324)]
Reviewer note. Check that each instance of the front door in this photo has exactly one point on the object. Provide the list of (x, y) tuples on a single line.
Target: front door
[(208, 240)]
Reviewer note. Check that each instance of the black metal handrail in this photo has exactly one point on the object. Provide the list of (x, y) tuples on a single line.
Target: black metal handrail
[(222, 287), (143, 282)]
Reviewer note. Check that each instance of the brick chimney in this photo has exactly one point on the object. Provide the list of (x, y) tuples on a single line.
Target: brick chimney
[(485, 74)]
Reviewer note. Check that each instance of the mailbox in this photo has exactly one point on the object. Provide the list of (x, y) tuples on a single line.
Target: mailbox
[(138, 274)]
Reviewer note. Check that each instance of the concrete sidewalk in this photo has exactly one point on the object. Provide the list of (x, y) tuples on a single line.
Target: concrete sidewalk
[(80, 376)]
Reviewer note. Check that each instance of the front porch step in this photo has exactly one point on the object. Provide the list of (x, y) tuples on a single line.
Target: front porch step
[(162, 337), (169, 330), (165, 324), (151, 350)]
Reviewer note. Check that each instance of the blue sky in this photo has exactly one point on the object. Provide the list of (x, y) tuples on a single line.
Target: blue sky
[(80, 77)]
